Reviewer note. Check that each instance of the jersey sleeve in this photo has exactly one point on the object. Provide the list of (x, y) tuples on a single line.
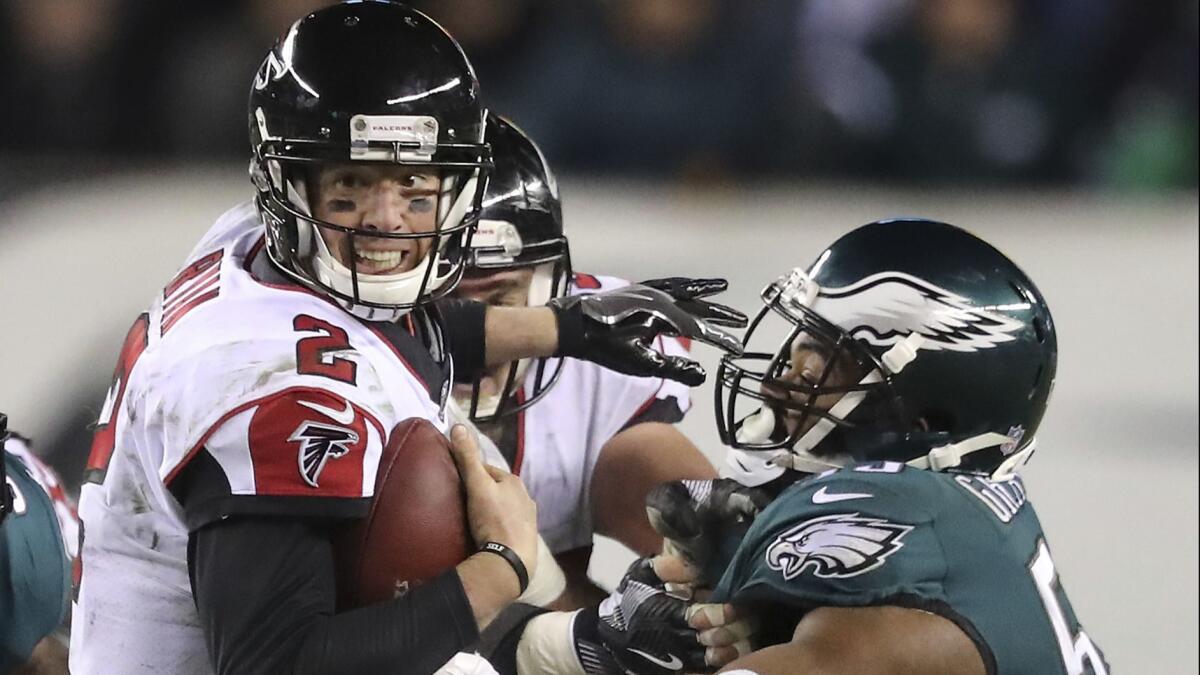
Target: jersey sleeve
[(33, 569), (300, 451), (247, 434), (849, 538)]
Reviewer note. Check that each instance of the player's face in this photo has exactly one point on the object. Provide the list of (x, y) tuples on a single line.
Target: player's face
[(376, 198), (811, 364), (499, 288)]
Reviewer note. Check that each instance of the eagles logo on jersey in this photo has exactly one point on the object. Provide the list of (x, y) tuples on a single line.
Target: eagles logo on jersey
[(837, 546)]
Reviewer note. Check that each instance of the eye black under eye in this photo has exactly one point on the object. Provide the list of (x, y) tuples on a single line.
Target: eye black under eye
[(342, 205)]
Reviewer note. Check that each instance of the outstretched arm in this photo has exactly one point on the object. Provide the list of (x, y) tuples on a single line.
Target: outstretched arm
[(616, 328)]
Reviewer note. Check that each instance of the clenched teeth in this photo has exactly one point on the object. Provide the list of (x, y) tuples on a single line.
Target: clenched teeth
[(383, 258)]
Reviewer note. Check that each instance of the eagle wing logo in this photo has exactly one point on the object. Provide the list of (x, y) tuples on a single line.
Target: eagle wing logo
[(835, 547), (886, 307), (320, 443)]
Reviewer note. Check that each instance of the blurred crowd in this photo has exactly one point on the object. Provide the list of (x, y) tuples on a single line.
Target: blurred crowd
[(1063, 92)]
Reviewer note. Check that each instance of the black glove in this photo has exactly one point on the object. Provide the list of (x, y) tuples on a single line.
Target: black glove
[(640, 628), (704, 520), (614, 328)]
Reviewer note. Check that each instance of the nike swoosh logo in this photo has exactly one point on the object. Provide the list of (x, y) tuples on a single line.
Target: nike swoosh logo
[(673, 664), (823, 496), (345, 417)]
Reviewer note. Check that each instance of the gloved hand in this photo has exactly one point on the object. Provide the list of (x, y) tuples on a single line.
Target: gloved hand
[(615, 328), (704, 520), (643, 629)]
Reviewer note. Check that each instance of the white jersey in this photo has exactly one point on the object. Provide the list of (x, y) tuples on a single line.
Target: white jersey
[(47, 477), (281, 399), (559, 438)]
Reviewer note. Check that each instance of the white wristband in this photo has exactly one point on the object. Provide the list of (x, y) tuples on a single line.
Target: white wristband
[(547, 646), (548, 580)]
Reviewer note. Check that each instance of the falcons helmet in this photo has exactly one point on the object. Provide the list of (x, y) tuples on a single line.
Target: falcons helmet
[(370, 82), (520, 226), (952, 345)]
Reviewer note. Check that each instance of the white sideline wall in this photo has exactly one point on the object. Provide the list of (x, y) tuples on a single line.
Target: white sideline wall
[(1114, 481)]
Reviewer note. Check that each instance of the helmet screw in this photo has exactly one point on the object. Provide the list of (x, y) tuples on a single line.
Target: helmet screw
[(412, 23), (359, 125), (324, 131), (351, 21)]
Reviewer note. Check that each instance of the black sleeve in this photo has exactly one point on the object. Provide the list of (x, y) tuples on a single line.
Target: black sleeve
[(498, 643), (265, 591), (465, 336)]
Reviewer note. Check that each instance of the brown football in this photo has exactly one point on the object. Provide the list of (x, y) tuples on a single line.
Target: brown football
[(417, 524)]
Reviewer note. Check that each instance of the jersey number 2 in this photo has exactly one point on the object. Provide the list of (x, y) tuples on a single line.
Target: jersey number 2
[(1077, 649), (312, 353)]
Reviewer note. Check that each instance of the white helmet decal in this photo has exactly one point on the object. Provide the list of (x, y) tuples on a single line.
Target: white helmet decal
[(886, 307)]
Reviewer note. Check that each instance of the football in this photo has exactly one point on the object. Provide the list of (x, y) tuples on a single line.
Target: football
[(417, 524)]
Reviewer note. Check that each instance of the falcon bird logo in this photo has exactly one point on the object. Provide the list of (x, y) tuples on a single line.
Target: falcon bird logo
[(884, 308), (318, 444), (835, 547)]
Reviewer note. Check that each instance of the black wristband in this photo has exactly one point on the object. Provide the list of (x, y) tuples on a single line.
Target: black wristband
[(465, 336), (571, 332), (512, 558)]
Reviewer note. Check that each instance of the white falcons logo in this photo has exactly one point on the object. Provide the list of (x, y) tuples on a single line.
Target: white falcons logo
[(884, 308), (318, 444), (835, 547)]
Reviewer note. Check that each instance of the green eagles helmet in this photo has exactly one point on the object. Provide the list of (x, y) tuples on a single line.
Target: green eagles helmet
[(954, 344)]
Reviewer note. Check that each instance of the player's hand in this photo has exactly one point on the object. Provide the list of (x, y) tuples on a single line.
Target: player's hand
[(499, 508), (649, 630), (700, 519), (616, 328)]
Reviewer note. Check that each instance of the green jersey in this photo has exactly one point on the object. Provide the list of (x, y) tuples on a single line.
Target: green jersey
[(960, 545), (34, 574)]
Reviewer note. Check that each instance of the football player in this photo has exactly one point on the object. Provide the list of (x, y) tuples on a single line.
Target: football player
[(251, 402), (913, 372), (34, 566), (597, 440), (875, 431)]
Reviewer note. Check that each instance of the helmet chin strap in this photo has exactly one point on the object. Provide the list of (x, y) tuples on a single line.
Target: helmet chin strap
[(895, 360), (950, 456)]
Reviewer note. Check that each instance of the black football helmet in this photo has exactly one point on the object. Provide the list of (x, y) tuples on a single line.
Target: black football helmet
[(520, 225), (954, 345), (369, 81)]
